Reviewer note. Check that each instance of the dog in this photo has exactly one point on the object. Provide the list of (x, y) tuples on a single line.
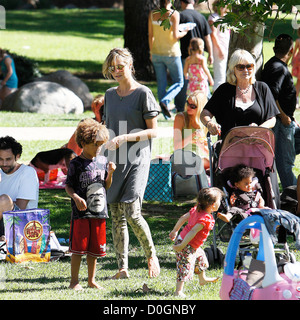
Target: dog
[(53, 159)]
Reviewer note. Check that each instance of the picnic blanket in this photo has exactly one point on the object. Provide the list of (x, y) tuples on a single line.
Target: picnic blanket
[(57, 180)]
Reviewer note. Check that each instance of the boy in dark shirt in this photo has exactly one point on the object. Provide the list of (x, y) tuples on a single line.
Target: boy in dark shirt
[(278, 77), (88, 177)]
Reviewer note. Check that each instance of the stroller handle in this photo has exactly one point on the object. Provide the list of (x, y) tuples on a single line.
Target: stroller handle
[(210, 150)]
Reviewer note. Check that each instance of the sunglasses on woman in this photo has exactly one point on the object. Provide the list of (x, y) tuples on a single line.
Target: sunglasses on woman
[(242, 67), (118, 67), (191, 105)]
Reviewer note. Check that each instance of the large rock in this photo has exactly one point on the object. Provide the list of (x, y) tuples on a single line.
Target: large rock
[(71, 82), (43, 97)]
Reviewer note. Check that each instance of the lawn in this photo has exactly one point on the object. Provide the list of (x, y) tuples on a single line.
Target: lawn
[(78, 41)]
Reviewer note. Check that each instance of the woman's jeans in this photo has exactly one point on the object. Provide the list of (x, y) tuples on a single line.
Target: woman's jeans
[(285, 152), (121, 213), (163, 64)]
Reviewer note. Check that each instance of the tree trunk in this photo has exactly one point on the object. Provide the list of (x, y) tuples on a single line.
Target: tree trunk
[(136, 35)]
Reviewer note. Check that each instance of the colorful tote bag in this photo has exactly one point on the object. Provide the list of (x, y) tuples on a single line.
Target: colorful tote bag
[(27, 234), (159, 185)]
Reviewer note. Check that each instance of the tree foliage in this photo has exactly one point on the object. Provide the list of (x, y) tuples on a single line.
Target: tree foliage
[(245, 14)]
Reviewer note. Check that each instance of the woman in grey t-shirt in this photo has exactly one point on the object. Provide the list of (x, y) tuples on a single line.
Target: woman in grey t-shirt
[(130, 114)]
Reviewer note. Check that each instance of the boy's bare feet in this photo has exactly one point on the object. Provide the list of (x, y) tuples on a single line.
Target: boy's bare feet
[(75, 286)]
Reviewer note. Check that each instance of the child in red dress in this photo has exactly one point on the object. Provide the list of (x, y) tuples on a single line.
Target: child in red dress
[(188, 244)]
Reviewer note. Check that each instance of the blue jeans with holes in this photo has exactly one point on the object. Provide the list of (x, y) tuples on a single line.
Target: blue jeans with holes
[(285, 152), (163, 64)]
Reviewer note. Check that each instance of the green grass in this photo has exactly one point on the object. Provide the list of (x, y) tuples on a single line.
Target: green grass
[(75, 40), (50, 281)]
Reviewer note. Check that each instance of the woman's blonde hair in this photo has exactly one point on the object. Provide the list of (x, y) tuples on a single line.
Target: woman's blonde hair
[(199, 98), (90, 131), (240, 56), (124, 54)]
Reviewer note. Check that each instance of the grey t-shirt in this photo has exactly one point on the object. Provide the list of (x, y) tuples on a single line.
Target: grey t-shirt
[(124, 115)]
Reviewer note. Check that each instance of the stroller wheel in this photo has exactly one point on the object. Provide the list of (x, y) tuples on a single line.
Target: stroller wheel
[(220, 257), (210, 255), (214, 256)]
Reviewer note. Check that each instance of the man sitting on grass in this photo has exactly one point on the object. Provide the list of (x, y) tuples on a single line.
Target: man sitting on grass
[(19, 185)]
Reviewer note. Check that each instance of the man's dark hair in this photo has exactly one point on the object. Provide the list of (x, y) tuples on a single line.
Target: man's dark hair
[(10, 143), (283, 44)]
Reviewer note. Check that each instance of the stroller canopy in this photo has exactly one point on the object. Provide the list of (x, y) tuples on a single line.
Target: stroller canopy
[(251, 146)]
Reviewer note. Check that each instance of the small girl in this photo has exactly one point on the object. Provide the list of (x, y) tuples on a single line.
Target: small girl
[(245, 195), (189, 253), (296, 65), (195, 68)]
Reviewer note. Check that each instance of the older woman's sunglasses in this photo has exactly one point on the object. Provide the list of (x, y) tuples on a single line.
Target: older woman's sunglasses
[(242, 67), (191, 105), (118, 67)]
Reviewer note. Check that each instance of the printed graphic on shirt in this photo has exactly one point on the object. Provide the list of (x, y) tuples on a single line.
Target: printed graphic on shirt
[(87, 178)]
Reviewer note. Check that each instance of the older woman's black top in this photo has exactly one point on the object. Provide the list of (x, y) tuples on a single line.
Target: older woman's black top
[(222, 106)]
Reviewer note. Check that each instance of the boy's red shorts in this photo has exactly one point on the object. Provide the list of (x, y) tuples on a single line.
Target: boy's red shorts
[(88, 236)]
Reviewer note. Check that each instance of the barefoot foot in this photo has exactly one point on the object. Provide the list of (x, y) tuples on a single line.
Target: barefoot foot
[(180, 294), (204, 280), (76, 287), (224, 217), (95, 285), (154, 268), (121, 274)]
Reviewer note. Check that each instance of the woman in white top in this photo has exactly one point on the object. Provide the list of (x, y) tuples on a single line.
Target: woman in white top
[(220, 39), (165, 53)]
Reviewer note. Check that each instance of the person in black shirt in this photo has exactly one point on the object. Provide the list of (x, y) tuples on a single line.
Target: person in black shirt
[(241, 100), (280, 81)]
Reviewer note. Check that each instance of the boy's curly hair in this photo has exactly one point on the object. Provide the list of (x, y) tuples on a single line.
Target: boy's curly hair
[(208, 196), (89, 131)]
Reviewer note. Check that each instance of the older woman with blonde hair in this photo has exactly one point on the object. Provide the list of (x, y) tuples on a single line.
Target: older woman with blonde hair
[(189, 132), (240, 101)]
